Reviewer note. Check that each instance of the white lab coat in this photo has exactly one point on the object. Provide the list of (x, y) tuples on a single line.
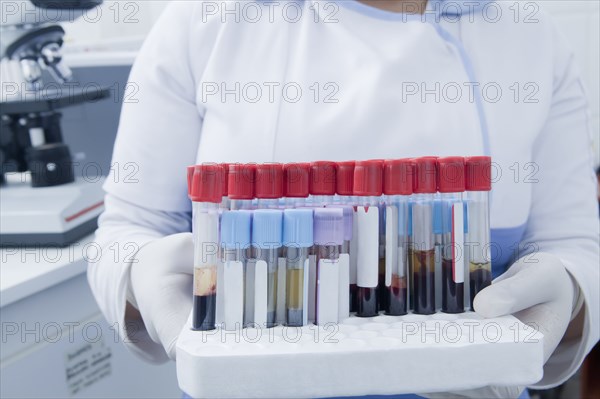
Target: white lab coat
[(536, 130)]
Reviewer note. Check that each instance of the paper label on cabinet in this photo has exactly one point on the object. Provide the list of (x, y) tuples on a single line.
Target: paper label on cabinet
[(87, 364)]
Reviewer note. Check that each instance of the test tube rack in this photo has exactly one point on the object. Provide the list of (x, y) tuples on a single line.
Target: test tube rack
[(381, 355)]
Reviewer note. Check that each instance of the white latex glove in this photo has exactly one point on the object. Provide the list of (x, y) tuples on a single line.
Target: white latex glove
[(538, 291), (161, 287)]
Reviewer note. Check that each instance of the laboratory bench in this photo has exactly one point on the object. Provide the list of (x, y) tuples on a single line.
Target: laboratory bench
[(55, 341)]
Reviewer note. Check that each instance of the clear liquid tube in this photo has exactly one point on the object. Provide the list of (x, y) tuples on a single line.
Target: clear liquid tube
[(422, 256), (451, 184), (267, 242), (297, 239), (206, 195), (397, 186), (478, 185)]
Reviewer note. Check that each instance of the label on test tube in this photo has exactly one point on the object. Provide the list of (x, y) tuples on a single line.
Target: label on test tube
[(391, 242), (207, 236), (249, 291), (328, 291), (367, 264), (281, 284), (458, 240), (312, 287), (260, 294), (220, 305), (305, 293), (233, 285)]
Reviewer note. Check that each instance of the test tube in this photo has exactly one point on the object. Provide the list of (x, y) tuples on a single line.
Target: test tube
[(451, 185), (241, 181), (344, 180), (206, 195), (267, 237), (422, 249), (328, 237), (297, 238), (235, 242), (368, 188), (397, 186), (345, 256), (478, 171), (269, 185), (295, 184), (322, 184)]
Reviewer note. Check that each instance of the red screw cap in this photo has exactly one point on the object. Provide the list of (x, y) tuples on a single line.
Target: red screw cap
[(424, 175), (225, 169), (345, 178), (451, 174), (398, 177), (295, 180), (269, 181), (190, 176), (368, 178), (241, 181), (207, 183), (322, 178), (478, 173)]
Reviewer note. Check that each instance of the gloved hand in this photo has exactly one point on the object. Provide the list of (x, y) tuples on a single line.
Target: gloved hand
[(161, 287), (538, 291)]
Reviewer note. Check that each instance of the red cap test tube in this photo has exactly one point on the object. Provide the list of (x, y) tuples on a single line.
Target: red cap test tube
[(206, 193)]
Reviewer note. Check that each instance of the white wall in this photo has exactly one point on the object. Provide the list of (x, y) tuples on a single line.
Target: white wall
[(579, 20), (115, 20)]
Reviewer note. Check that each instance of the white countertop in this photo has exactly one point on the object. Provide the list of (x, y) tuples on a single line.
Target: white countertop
[(27, 271)]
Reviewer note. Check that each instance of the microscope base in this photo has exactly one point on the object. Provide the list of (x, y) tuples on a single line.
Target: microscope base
[(50, 216)]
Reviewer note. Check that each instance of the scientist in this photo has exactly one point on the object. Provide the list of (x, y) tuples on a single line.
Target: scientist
[(307, 80)]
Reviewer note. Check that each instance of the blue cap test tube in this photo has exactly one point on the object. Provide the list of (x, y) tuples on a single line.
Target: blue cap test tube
[(267, 242), (235, 241), (297, 238)]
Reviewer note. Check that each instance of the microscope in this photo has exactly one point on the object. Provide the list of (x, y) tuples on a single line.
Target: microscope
[(42, 202)]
